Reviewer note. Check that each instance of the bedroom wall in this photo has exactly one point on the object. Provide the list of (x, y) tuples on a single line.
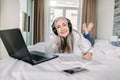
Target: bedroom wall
[(0, 13), (105, 13), (9, 12), (0, 26)]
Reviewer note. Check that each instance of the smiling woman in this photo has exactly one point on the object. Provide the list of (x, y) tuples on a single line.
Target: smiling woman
[(68, 40)]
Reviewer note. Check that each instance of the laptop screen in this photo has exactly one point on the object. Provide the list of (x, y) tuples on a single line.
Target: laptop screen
[(14, 43)]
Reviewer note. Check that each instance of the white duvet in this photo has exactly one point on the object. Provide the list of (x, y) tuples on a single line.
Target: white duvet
[(12, 69), (104, 66), (104, 47)]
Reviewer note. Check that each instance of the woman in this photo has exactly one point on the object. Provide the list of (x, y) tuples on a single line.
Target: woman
[(68, 40)]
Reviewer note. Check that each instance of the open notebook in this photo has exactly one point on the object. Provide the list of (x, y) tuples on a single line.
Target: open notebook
[(76, 60), (72, 59)]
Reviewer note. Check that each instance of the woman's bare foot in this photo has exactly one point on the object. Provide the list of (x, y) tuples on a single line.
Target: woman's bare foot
[(85, 29), (90, 26)]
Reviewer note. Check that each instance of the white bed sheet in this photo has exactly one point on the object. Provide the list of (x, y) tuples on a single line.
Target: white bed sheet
[(101, 67), (106, 48)]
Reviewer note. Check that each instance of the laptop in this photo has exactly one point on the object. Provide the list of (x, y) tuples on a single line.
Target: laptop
[(16, 48)]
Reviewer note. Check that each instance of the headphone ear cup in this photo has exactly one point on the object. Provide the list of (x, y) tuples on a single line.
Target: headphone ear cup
[(69, 24), (54, 30), (71, 28)]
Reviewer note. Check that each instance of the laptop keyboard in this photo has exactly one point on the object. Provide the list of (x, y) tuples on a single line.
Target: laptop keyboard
[(41, 57), (37, 57)]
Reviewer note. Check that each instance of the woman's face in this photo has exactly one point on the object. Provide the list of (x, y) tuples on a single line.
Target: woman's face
[(62, 28)]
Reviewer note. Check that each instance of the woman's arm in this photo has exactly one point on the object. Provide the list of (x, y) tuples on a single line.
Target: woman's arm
[(87, 49)]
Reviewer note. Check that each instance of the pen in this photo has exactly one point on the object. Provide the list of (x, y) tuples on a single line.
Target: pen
[(87, 51)]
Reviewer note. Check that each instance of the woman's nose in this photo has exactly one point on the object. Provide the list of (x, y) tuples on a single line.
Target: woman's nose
[(62, 28)]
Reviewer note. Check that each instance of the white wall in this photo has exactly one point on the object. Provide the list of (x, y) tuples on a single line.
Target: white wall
[(10, 16), (0, 13), (105, 13), (0, 26), (46, 20)]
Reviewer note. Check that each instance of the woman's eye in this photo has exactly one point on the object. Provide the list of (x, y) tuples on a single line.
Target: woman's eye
[(58, 27), (64, 24)]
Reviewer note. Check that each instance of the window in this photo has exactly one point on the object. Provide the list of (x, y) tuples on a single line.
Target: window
[(67, 8)]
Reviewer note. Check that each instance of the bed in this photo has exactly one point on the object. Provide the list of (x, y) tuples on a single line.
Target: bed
[(104, 66)]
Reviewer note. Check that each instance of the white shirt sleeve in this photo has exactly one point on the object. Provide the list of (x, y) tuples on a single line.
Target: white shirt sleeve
[(84, 45), (50, 45)]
